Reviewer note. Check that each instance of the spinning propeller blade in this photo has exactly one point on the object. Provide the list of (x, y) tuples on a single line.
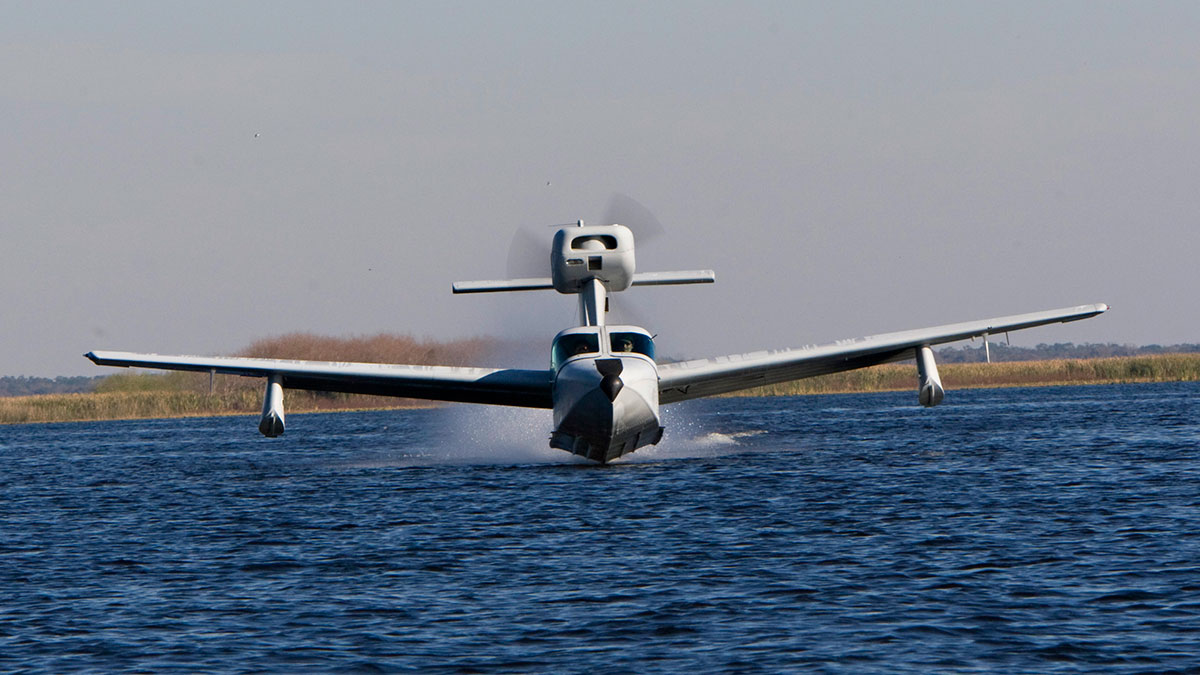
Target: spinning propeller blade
[(625, 210), (529, 251), (528, 255)]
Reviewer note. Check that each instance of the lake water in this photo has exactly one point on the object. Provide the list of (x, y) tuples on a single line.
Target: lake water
[(1014, 530)]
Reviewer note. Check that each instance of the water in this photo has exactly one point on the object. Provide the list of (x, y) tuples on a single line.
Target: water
[(1019, 530)]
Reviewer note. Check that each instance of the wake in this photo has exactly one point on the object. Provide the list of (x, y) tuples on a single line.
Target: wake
[(464, 435)]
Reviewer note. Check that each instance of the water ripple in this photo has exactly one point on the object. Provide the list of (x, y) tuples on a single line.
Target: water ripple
[(1046, 530)]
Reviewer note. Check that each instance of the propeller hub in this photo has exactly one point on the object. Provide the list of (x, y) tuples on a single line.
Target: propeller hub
[(611, 383)]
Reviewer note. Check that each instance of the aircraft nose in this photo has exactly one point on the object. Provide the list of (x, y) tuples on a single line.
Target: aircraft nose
[(611, 383)]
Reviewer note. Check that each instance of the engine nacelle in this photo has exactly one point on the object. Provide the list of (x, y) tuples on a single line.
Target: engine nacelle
[(603, 252), (271, 424), (929, 384)]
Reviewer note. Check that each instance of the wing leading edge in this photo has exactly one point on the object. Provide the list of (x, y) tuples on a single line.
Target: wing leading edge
[(523, 388), (707, 377)]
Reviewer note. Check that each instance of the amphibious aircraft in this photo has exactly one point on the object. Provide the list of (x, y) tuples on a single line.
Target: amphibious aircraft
[(604, 384)]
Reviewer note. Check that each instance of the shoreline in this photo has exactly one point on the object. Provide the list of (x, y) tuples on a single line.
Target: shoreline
[(114, 406), (1057, 372), (125, 406)]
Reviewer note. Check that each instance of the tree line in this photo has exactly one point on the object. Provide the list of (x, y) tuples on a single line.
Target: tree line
[(35, 386)]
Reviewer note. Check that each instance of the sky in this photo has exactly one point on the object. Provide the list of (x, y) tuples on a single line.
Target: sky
[(186, 178)]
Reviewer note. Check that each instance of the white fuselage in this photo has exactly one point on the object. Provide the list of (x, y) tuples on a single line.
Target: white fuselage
[(605, 383), (605, 402)]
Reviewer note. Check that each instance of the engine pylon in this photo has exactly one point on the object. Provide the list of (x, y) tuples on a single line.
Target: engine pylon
[(271, 424), (929, 384)]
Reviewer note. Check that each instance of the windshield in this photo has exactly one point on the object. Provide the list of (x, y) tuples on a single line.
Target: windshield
[(578, 343), (636, 343)]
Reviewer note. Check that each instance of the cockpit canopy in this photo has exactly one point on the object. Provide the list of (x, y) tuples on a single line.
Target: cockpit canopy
[(630, 342), (595, 340)]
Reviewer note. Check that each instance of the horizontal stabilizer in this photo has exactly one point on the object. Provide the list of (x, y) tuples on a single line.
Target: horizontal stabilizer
[(668, 278), (546, 283), (501, 285)]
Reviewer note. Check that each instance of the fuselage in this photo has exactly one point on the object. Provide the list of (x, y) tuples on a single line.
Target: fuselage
[(605, 391)]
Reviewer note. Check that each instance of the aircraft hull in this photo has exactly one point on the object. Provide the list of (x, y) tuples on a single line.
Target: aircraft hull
[(596, 423)]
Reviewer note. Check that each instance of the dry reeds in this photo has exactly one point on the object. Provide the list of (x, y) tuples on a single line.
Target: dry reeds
[(122, 405), (898, 377), (382, 348)]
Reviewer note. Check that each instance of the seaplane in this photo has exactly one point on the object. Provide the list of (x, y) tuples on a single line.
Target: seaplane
[(604, 383)]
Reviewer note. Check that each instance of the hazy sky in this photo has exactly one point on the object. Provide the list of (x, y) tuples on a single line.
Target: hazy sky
[(188, 177)]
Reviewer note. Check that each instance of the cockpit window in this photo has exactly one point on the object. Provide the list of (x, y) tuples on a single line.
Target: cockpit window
[(570, 345), (636, 343)]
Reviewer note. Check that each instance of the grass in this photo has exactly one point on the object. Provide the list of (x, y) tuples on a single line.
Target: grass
[(121, 405), (900, 376)]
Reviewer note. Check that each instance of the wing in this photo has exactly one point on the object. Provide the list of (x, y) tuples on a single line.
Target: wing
[(525, 388), (707, 377)]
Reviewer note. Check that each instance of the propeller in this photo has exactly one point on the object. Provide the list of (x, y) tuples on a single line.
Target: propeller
[(528, 255), (627, 211), (529, 251), (628, 310)]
